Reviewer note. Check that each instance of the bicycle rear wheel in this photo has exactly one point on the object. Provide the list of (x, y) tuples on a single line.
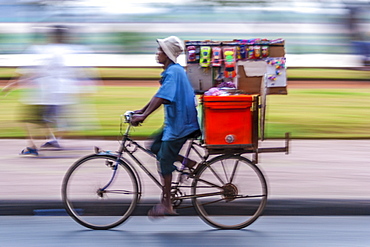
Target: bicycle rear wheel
[(230, 192), (98, 193)]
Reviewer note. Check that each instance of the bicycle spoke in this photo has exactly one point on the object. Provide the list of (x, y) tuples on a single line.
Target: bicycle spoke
[(210, 183), (234, 171), (124, 192), (216, 175), (224, 169)]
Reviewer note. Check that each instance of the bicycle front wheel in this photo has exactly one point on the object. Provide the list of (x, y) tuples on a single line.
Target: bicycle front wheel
[(100, 193), (230, 192)]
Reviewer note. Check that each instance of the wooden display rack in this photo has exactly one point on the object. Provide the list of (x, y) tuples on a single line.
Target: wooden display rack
[(260, 76)]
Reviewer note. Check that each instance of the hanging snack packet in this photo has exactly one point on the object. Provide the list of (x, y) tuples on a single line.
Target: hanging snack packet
[(257, 52), (265, 51), (250, 54)]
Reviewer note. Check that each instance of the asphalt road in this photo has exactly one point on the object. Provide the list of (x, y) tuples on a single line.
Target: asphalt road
[(273, 231)]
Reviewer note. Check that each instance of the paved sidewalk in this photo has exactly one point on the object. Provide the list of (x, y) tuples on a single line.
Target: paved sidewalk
[(318, 177)]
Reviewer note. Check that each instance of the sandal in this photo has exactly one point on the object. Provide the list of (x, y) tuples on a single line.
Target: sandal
[(190, 164), (159, 211)]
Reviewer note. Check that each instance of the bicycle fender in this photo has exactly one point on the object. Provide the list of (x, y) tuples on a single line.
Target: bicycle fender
[(124, 160)]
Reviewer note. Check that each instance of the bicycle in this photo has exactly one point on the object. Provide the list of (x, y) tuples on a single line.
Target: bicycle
[(100, 191)]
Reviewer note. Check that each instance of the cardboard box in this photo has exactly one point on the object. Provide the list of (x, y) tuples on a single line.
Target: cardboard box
[(250, 85), (201, 79), (277, 50), (277, 90), (253, 85)]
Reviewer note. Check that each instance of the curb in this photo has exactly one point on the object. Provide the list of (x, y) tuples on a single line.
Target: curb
[(274, 207)]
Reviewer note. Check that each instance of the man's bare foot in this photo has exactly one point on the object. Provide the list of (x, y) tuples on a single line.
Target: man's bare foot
[(160, 210)]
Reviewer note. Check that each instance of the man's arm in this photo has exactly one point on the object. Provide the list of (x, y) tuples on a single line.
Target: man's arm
[(19, 79), (8, 87), (11, 84), (153, 105)]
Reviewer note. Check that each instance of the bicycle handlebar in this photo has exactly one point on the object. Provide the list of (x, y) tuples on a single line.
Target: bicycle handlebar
[(128, 116)]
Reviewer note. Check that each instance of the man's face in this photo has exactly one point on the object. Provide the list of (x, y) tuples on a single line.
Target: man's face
[(161, 56)]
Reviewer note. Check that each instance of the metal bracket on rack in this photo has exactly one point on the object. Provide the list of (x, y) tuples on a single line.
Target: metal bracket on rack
[(277, 149), (273, 149)]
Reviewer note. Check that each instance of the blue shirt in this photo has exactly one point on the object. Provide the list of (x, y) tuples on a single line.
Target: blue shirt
[(180, 111)]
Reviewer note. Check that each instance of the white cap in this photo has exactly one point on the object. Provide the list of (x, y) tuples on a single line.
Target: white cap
[(171, 46)]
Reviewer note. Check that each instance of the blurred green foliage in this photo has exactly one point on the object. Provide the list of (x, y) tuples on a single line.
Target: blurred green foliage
[(130, 42), (319, 113), (306, 113)]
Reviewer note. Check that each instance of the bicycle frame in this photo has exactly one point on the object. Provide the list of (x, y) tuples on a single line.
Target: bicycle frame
[(126, 142), (130, 146)]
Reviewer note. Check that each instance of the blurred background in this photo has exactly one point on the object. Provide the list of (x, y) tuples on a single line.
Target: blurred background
[(324, 40), (129, 27)]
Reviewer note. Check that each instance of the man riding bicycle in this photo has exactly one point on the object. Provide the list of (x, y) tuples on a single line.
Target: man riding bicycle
[(181, 121)]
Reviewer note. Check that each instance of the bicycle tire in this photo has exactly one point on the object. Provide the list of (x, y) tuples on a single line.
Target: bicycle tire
[(230, 192), (91, 207)]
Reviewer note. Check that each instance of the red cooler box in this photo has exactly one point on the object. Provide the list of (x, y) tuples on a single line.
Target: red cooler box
[(227, 121)]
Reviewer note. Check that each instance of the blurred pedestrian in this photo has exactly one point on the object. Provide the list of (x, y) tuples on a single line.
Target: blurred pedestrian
[(52, 88)]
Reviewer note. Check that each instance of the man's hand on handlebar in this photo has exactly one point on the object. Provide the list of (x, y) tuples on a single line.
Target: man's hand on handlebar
[(138, 111), (137, 119)]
